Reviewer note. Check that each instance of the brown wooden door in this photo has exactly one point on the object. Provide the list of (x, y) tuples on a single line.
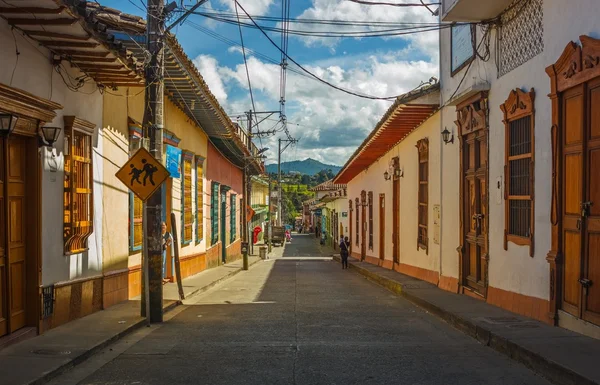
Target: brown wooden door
[(572, 164), (474, 206), (382, 226), (350, 224), (13, 244), (363, 233), (591, 254), (396, 220), (3, 250)]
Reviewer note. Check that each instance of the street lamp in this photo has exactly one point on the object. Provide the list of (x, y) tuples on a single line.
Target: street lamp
[(446, 136), (8, 122), (50, 134)]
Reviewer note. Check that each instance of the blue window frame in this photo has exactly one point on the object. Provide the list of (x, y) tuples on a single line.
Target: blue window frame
[(232, 217)]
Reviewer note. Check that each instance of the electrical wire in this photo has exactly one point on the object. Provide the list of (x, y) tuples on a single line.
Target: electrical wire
[(312, 74), (17, 53), (393, 4)]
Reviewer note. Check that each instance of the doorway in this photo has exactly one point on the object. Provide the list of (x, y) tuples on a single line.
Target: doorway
[(382, 226), (581, 201), (575, 209), (222, 224), (18, 233), (363, 226), (396, 212), (473, 252)]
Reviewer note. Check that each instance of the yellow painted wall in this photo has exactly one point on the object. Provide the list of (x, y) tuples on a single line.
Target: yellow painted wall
[(115, 228), (117, 108)]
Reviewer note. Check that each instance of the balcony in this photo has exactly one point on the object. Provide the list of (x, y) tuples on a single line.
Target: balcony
[(472, 10)]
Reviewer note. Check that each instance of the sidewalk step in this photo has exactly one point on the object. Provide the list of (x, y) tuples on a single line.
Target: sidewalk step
[(562, 356)]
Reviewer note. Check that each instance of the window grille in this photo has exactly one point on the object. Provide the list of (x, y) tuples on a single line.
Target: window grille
[(521, 34), (47, 301), (423, 199), (214, 213), (518, 168), (78, 185), (187, 211), (232, 217), (199, 199)]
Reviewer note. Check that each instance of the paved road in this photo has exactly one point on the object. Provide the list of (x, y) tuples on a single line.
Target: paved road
[(300, 321)]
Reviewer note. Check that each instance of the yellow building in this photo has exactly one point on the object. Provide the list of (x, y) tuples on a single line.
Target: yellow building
[(205, 153)]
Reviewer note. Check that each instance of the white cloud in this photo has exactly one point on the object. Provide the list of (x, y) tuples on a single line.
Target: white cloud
[(208, 67), (343, 10), (253, 7), (330, 124)]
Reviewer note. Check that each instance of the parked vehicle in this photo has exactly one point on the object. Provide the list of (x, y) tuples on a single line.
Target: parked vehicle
[(278, 236)]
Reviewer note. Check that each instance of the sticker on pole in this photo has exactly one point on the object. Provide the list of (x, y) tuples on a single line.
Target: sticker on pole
[(142, 174), (249, 213)]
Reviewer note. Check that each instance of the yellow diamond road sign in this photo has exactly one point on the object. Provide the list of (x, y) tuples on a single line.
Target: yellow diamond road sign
[(142, 174)]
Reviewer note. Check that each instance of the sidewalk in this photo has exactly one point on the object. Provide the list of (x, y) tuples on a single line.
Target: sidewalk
[(562, 356), (39, 359)]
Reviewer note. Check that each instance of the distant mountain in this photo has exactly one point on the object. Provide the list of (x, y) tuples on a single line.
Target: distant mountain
[(307, 166)]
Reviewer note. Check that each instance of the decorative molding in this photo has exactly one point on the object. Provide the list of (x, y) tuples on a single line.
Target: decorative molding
[(518, 104), (472, 114), (577, 64), (79, 124), (423, 146)]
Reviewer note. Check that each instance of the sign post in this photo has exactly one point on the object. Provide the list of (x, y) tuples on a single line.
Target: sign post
[(144, 175)]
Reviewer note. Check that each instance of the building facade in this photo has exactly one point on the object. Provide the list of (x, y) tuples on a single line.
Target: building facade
[(510, 205), (204, 195), (51, 194)]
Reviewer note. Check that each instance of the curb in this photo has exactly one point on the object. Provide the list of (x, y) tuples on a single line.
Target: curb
[(549, 369), (48, 376)]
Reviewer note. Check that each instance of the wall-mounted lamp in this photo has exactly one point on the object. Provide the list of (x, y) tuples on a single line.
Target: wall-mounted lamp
[(399, 173), (447, 136), (386, 175), (8, 122), (50, 135)]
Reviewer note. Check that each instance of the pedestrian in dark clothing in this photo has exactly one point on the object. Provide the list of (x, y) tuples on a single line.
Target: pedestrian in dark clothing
[(344, 251)]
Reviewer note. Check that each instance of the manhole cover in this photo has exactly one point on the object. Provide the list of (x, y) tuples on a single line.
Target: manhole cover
[(51, 352)]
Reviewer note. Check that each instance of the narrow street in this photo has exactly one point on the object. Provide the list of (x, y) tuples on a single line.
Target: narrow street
[(299, 321)]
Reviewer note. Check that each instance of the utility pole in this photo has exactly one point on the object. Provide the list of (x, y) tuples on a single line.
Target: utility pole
[(279, 195), (269, 226), (248, 192), (279, 222), (153, 124)]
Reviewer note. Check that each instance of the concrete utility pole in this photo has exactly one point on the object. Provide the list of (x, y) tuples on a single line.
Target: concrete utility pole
[(279, 195), (248, 192), (153, 125), (279, 185), (269, 226)]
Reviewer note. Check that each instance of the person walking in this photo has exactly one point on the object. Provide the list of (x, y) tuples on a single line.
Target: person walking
[(167, 240), (344, 251)]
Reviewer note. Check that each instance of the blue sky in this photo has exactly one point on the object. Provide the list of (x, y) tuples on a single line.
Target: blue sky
[(329, 123)]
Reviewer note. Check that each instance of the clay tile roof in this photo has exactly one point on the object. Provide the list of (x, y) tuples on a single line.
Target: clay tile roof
[(407, 113), (328, 186)]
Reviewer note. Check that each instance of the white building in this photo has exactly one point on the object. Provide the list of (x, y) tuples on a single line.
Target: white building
[(54, 64), (513, 190)]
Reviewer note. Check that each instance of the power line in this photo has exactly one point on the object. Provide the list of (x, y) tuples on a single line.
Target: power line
[(310, 73), (393, 4)]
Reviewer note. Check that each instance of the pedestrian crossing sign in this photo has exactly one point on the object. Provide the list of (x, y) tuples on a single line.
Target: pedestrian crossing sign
[(142, 174)]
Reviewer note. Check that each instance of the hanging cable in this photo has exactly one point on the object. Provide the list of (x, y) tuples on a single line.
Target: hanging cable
[(312, 74)]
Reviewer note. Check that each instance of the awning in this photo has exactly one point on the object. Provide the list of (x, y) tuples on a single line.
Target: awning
[(405, 115)]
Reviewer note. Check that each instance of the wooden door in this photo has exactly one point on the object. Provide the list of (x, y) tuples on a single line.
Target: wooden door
[(13, 244), (350, 224), (382, 226), (474, 163), (363, 232), (572, 164), (590, 281), (396, 220), (3, 241)]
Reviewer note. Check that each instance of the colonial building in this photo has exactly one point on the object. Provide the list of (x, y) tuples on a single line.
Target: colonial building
[(498, 200), (203, 149), (55, 61), (259, 202), (321, 214)]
